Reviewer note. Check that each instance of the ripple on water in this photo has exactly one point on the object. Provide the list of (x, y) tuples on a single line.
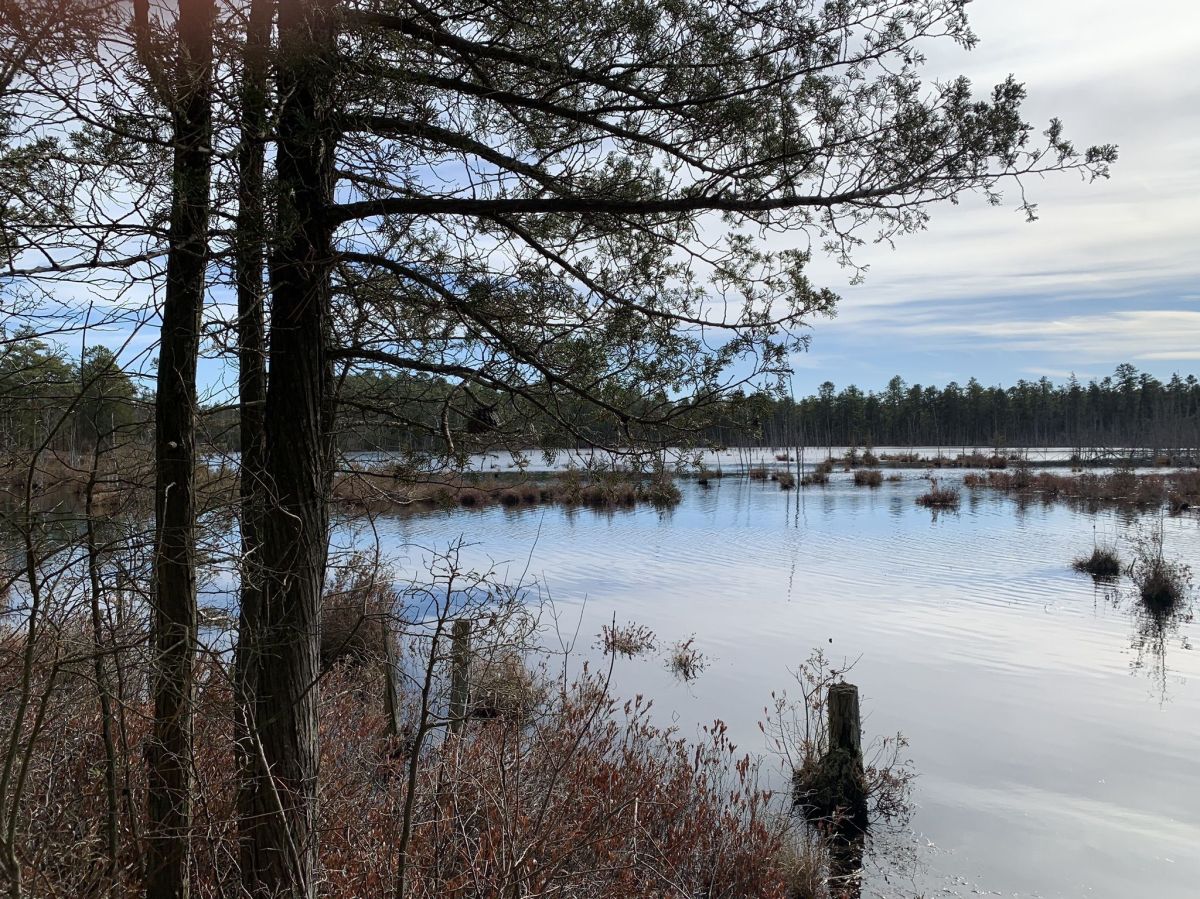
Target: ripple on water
[(1056, 759)]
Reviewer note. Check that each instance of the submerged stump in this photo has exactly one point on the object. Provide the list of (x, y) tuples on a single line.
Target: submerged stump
[(834, 789), (832, 792)]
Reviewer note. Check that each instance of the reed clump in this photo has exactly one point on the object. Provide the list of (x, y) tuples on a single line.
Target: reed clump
[(867, 477), (938, 497), (356, 613), (660, 492), (786, 480), (504, 687), (685, 661), (1103, 562), (757, 473), (1161, 583)]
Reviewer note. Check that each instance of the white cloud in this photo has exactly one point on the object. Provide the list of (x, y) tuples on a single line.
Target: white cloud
[(1115, 73), (1136, 335)]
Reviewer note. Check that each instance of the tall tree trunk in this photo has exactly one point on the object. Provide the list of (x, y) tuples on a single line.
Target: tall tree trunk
[(252, 376), (279, 849), (169, 783)]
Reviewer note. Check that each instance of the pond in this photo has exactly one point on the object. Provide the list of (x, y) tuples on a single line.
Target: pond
[(1054, 728)]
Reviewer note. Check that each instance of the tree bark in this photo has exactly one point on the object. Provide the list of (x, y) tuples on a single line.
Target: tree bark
[(169, 753), (279, 845), (252, 378)]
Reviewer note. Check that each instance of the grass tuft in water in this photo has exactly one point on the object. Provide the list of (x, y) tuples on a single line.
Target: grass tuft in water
[(938, 497), (1161, 583), (1102, 563), (867, 477)]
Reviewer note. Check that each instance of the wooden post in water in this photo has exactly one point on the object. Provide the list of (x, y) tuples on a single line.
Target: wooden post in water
[(843, 787), (460, 674), (847, 789), (845, 724)]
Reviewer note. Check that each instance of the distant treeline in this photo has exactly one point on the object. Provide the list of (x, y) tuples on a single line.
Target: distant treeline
[(1127, 408), (48, 399)]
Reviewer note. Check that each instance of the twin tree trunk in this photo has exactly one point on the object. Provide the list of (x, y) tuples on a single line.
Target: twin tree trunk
[(169, 786), (252, 387), (279, 841)]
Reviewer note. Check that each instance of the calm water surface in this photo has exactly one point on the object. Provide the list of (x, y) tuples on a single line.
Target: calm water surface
[(1056, 732)]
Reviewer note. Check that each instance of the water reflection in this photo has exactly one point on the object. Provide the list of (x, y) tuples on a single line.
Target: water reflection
[(977, 641), (1156, 628)]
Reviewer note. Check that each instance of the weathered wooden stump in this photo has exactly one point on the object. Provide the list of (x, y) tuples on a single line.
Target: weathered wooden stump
[(831, 792), (843, 778), (833, 789)]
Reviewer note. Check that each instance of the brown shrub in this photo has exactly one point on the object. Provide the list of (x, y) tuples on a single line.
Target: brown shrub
[(599, 799)]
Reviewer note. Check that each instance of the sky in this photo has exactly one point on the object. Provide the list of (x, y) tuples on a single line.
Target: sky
[(1109, 273)]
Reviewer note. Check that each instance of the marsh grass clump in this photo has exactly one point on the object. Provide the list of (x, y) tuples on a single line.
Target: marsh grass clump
[(786, 480), (660, 492), (1161, 583), (825, 466), (869, 459), (803, 862), (504, 687), (1103, 562), (815, 477), (356, 612), (938, 497), (757, 473), (685, 661), (867, 477), (471, 498), (626, 640)]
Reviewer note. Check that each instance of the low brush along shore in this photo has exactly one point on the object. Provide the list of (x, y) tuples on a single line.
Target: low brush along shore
[(382, 489)]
